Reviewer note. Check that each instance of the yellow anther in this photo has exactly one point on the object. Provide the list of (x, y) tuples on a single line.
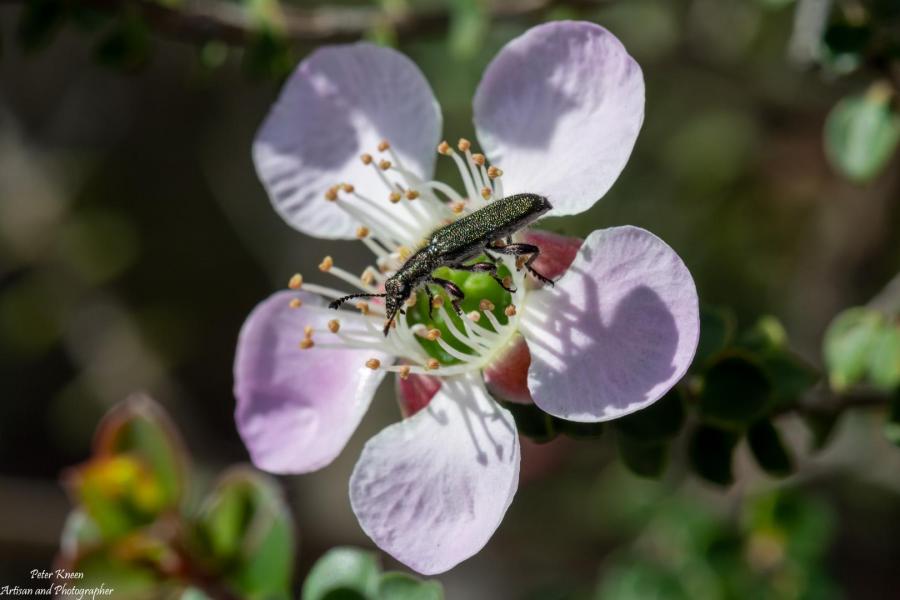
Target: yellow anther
[(444, 148), (347, 187), (432, 364), (474, 316), (433, 334), (394, 197), (384, 165), (308, 331), (457, 207), (367, 277), (486, 192), (486, 304), (463, 144), (510, 311), (383, 145), (295, 281), (520, 262), (478, 159), (404, 252), (373, 363), (404, 372), (366, 159), (334, 326), (326, 264), (411, 194), (362, 232), (306, 343), (331, 194), (437, 301), (507, 282), (363, 307), (295, 303), (494, 172)]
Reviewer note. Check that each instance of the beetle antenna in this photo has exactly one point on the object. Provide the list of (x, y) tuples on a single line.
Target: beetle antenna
[(339, 301)]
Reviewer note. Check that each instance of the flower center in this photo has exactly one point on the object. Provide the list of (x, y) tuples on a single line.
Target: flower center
[(431, 339)]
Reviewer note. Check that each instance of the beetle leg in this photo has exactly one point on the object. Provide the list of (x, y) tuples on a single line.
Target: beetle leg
[(519, 250), (430, 301), (485, 267), (456, 294)]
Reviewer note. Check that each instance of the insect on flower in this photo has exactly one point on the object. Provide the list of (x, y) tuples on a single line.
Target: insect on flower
[(485, 231)]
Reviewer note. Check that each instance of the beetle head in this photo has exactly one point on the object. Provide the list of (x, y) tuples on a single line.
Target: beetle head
[(396, 292)]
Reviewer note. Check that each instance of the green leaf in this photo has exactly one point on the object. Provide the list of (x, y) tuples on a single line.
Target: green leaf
[(735, 393), (791, 376), (139, 427), (862, 132), (884, 360), (400, 586), (343, 574), (848, 345), (767, 334), (646, 459), (821, 424), (246, 528), (717, 330), (769, 450), (710, 452), (531, 421), (662, 420)]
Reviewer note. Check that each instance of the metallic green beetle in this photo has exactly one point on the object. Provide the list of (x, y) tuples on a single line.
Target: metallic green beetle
[(485, 231)]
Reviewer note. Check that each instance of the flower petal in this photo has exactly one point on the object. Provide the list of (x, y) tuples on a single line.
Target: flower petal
[(559, 109), (432, 489), (616, 332), (297, 408), (339, 103)]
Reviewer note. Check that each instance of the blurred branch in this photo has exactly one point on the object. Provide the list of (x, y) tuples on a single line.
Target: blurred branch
[(237, 24)]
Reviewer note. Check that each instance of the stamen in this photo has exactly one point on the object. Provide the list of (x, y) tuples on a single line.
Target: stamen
[(411, 301), (458, 207), (411, 194), (366, 159), (486, 193), (367, 278), (308, 331), (463, 144), (383, 145), (373, 363), (295, 303), (486, 305), (433, 334), (510, 311), (494, 172), (394, 197), (295, 281), (478, 159), (363, 307), (474, 316), (404, 252), (444, 148), (384, 165), (334, 326), (331, 194), (404, 372), (432, 364), (437, 301), (348, 188), (326, 264), (306, 343), (362, 232)]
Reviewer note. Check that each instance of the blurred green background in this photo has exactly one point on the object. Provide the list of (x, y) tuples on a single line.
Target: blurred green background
[(135, 238)]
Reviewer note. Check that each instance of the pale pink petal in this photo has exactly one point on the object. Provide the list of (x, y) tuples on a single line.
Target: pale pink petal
[(415, 392), (297, 408), (559, 110), (616, 332), (339, 103), (432, 489)]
